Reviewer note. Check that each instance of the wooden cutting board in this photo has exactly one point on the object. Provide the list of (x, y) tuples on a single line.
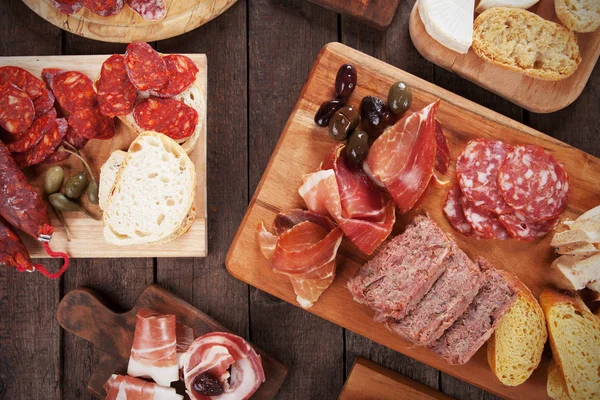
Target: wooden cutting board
[(83, 313), (532, 94), (127, 26), (87, 238), (371, 381), (377, 13), (301, 148)]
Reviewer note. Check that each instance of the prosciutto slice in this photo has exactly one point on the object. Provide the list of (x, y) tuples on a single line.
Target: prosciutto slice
[(303, 247), (402, 159), (120, 387), (365, 214), (154, 350), (221, 363)]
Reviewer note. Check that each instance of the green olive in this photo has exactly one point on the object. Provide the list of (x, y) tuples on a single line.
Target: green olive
[(76, 185), (357, 147), (92, 192), (399, 98), (343, 122), (62, 203), (53, 179)]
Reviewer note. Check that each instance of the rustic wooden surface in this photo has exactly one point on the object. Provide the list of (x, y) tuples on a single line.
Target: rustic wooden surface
[(261, 51), (377, 13), (532, 94)]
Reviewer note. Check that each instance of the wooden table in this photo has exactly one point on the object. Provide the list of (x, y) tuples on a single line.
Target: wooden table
[(259, 54)]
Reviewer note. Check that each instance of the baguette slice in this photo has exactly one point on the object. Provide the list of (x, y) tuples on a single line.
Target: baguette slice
[(108, 175), (152, 198), (575, 342), (556, 383), (522, 41), (578, 15), (515, 349)]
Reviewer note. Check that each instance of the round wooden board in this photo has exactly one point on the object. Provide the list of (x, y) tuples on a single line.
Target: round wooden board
[(127, 26)]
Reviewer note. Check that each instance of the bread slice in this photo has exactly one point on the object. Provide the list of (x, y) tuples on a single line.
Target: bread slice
[(575, 342), (578, 270), (578, 15), (108, 175), (555, 385), (152, 198), (515, 349), (522, 41)]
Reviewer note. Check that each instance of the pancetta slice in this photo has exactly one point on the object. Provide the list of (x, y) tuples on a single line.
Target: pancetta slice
[(403, 158), (122, 387), (221, 366), (154, 350)]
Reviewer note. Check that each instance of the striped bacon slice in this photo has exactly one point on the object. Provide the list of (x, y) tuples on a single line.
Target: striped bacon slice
[(120, 387)]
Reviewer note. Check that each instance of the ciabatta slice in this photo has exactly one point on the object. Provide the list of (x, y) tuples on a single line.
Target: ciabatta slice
[(108, 175)]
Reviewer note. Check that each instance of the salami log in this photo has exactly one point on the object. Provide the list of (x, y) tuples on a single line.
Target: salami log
[(16, 109), (34, 134), (42, 150), (22, 79), (520, 228), (182, 73), (67, 6), (168, 116), (89, 123), (104, 8), (145, 67), (116, 93), (13, 252), (454, 212), (486, 223), (150, 10), (73, 90)]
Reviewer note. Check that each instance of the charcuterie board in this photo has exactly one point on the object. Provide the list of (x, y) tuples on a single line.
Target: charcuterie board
[(300, 150), (127, 26), (532, 94), (82, 313), (377, 13), (369, 380), (87, 238)]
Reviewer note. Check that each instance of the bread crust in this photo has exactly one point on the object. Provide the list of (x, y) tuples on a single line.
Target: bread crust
[(574, 20)]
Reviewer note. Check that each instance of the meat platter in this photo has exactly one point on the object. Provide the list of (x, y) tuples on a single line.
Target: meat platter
[(303, 146)]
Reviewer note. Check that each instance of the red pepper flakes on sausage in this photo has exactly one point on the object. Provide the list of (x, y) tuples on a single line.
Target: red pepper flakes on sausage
[(89, 123), (38, 153), (34, 134), (145, 67), (150, 10), (116, 93), (67, 7), (16, 109), (104, 8), (73, 90), (182, 73), (168, 116)]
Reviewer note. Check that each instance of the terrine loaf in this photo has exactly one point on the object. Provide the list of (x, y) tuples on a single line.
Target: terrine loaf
[(398, 277), (462, 340)]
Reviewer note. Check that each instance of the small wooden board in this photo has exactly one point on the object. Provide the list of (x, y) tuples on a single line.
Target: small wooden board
[(370, 381), (532, 94), (82, 313), (87, 238), (127, 26), (377, 13), (301, 148)]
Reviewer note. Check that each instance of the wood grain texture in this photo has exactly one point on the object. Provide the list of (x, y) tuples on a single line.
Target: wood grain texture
[(376, 13), (127, 26), (369, 380), (301, 148), (82, 313), (532, 94)]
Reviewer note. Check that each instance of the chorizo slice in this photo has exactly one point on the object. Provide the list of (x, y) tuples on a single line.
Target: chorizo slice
[(16, 109), (182, 73), (34, 134), (67, 7), (22, 79), (104, 8), (89, 123), (145, 67), (73, 90), (116, 93), (168, 116), (38, 153)]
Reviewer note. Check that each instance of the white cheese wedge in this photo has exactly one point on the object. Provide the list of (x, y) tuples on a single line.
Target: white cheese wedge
[(450, 22), (487, 4)]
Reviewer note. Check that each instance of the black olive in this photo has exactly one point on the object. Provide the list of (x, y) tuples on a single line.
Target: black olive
[(345, 81), (357, 147), (399, 98), (326, 111), (207, 385), (375, 115), (343, 123)]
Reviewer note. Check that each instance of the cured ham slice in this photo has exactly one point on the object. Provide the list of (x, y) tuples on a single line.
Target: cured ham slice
[(304, 248), (365, 214), (403, 158), (154, 350), (185, 337), (120, 387), (221, 366)]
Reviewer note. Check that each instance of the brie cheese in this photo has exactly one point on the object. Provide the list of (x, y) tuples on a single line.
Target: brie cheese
[(487, 4), (450, 22)]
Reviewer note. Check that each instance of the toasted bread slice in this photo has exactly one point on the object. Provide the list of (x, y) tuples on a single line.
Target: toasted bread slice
[(515, 349), (108, 175), (522, 41), (575, 340), (578, 15), (555, 385)]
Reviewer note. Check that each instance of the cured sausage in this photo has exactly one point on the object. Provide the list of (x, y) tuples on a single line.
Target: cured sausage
[(168, 116), (89, 123), (75, 139), (42, 150), (67, 6), (12, 250), (182, 73), (486, 223), (48, 75), (453, 209), (22, 79), (43, 103), (104, 8), (16, 109), (520, 228), (477, 169), (70, 137), (73, 90), (150, 10), (442, 150), (116, 93), (34, 134), (145, 67)]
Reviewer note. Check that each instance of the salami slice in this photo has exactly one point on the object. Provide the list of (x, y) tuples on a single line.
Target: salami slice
[(34, 134), (182, 73), (116, 93), (42, 150), (44, 102), (67, 6), (486, 223), (104, 8), (59, 155), (22, 79), (88, 122), (150, 10), (73, 90), (16, 109), (75, 139), (48, 75), (532, 181), (168, 116), (477, 169), (519, 227), (145, 67), (455, 214)]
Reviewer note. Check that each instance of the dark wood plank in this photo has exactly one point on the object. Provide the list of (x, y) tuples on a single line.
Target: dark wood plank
[(30, 356), (376, 13), (284, 39)]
